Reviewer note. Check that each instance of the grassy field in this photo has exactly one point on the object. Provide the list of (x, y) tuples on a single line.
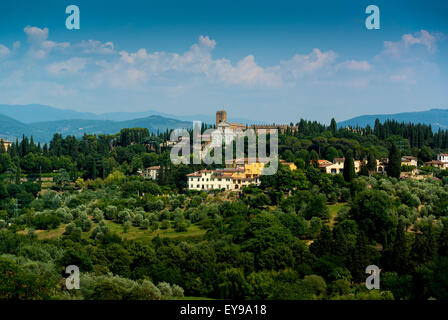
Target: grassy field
[(132, 234), (136, 233), (334, 209)]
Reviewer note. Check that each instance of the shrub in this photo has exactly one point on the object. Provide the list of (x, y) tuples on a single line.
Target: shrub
[(98, 215), (177, 291), (165, 289)]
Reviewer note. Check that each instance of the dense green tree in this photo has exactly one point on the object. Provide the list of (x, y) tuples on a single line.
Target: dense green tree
[(371, 161), (394, 166), (349, 167)]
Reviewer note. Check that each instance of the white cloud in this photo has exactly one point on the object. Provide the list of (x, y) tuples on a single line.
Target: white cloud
[(300, 65), (97, 47), (4, 51), (423, 38), (36, 35), (198, 60), (405, 76), (40, 46), (207, 42), (69, 66), (137, 70), (355, 65), (246, 72)]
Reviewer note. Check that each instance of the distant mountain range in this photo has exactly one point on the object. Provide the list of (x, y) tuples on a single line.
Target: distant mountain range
[(43, 131), (437, 118), (42, 121), (40, 113)]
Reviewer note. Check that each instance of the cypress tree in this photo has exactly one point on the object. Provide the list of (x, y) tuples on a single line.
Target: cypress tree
[(394, 167), (349, 167), (364, 171), (360, 258), (371, 161), (18, 172), (340, 245), (333, 127), (323, 244), (399, 255), (94, 169), (443, 241)]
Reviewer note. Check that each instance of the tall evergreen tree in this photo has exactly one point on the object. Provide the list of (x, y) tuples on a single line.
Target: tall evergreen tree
[(340, 244), (333, 127), (18, 172), (397, 257), (323, 244), (443, 241), (360, 258), (94, 173), (371, 161), (349, 167), (394, 167)]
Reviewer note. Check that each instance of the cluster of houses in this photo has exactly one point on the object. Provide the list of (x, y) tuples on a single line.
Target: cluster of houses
[(237, 174), (337, 166), (441, 162)]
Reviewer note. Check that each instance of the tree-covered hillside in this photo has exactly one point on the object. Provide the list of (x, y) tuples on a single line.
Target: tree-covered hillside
[(300, 234)]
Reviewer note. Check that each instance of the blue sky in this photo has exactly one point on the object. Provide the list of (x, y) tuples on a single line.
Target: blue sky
[(262, 60)]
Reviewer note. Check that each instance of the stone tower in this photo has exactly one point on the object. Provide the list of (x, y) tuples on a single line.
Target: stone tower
[(221, 116)]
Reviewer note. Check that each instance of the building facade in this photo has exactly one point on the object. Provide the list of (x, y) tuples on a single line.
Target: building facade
[(442, 157), (150, 172), (227, 179), (6, 143)]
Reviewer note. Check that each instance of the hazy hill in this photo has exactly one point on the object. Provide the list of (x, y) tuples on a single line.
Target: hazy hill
[(9, 127), (44, 131), (33, 113), (437, 118)]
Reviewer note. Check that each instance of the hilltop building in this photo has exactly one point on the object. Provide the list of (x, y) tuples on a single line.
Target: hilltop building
[(229, 179), (337, 166), (437, 164), (409, 161), (6, 143), (442, 157), (150, 172), (280, 127), (221, 123), (238, 173)]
